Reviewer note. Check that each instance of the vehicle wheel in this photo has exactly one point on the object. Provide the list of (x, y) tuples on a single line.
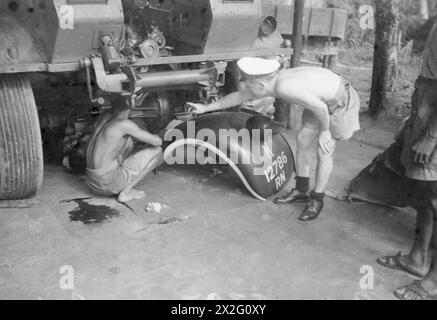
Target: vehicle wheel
[(161, 103), (21, 156)]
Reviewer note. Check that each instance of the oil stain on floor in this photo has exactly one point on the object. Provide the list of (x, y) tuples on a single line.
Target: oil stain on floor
[(90, 213)]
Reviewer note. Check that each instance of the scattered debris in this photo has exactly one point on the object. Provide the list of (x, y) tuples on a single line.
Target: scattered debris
[(170, 220), (155, 207), (215, 172), (174, 219)]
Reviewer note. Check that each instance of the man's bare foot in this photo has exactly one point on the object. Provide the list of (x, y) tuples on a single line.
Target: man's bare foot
[(131, 195), (403, 263), (414, 291)]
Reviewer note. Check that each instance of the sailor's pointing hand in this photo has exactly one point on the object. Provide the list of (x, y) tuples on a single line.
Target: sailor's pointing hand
[(196, 108)]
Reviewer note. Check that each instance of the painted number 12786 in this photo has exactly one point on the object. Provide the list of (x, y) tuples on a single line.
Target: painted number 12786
[(275, 172)]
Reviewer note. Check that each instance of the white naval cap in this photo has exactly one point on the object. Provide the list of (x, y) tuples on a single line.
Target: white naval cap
[(257, 67)]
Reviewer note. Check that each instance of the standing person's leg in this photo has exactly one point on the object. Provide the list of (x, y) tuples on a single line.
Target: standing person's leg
[(419, 258), (143, 162), (305, 142), (304, 155), (430, 280), (324, 170), (426, 288), (418, 261)]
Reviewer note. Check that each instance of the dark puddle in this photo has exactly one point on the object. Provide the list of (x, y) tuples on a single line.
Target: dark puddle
[(90, 213)]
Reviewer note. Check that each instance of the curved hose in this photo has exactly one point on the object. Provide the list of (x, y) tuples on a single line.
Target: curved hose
[(195, 142)]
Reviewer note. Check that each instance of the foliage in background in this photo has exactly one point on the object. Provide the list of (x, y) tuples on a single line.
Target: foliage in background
[(416, 29), (355, 36), (412, 25)]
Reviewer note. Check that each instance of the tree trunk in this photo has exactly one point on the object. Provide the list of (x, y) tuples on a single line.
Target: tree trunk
[(424, 12), (385, 60), (432, 7)]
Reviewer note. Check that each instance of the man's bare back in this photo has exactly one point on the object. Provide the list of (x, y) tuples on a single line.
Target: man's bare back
[(110, 144), (322, 83)]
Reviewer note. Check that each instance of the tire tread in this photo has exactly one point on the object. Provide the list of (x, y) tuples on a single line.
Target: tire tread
[(21, 159)]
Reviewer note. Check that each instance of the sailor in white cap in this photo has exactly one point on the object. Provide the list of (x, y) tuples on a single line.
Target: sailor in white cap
[(255, 68), (331, 114)]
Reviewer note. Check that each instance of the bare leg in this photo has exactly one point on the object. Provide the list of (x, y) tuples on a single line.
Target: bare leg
[(153, 157), (305, 141), (304, 155), (419, 257), (428, 286), (418, 261), (430, 280), (324, 170)]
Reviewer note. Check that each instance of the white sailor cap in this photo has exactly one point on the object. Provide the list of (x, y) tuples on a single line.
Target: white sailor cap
[(253, 68)]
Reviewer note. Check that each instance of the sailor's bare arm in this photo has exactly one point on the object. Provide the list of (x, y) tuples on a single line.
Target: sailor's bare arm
[(229, 101)]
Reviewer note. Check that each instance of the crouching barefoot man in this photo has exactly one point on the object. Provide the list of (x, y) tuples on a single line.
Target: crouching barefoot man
[(113, 168), (331, 113)]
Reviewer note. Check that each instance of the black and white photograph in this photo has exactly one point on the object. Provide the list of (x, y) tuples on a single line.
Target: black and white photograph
[(239, 151)]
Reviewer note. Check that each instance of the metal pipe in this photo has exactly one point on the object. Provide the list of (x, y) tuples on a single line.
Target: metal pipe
[(297, 32), (174, 78), (153, 80)]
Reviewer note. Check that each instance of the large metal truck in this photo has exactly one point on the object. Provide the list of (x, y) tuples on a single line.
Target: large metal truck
[(76, 57)]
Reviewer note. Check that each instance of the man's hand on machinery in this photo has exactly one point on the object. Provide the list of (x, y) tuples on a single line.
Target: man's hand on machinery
[(196, 108)]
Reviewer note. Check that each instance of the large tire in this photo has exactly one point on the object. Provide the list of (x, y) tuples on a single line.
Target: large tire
[(21, 156)]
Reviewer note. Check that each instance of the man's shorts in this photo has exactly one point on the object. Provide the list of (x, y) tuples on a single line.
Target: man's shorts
[(424, 99), (115, 177), (344, 112)]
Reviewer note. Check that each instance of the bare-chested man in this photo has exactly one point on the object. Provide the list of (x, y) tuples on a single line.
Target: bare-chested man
[(113, 168), (331, 114)]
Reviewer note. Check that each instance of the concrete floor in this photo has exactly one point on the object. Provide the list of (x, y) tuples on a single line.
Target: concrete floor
[(224, 244)]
